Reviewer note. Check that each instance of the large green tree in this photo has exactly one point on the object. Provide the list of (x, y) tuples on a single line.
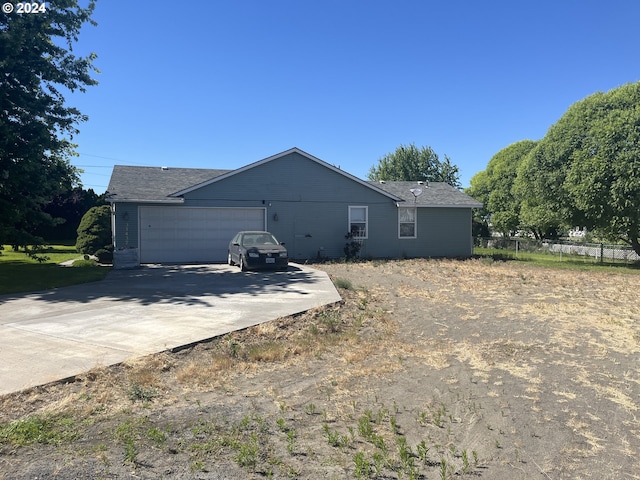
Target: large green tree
[(494, 187), (479, 190), (67, 209), (410, 163), (586, 171), (539, 174), (37, 67)]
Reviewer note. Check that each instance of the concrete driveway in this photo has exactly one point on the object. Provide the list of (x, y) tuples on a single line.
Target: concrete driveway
[(53, 335)]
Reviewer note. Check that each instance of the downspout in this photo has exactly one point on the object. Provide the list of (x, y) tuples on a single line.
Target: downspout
[(113, 226)]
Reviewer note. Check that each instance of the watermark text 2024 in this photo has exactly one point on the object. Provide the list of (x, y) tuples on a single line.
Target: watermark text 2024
[(31, 7)]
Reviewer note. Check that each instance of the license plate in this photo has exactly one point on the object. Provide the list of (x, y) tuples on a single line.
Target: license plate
[(270, 260)]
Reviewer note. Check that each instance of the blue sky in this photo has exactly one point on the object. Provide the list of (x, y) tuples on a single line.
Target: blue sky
[(220, 84)]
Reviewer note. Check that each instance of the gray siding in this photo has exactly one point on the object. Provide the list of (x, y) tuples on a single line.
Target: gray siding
[(307, 208), (448, 232), (292, 178), (125, 234), (442, 232), (309, 201)]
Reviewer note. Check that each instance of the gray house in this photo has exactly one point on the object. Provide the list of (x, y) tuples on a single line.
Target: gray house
[(184, 215)]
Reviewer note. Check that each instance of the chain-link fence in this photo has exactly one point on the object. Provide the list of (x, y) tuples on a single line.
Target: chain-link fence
[(563, 250)]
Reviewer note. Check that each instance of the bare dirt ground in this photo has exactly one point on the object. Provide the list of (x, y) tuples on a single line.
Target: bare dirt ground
[(430, 369)]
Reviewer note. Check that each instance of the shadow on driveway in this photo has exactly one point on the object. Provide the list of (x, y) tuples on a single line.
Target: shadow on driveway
[(178, 284)]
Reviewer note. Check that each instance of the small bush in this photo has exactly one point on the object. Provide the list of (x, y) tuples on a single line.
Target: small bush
[(343, 283), (138, 392), (94, 232), (352, 247), (85, 263), (104, 255)]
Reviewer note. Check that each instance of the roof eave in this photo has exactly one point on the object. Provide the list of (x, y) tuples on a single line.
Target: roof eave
[(145, 200), (435, 205)]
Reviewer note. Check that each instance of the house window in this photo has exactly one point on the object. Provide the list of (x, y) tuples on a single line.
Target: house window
[(358, 220), (407, 222)]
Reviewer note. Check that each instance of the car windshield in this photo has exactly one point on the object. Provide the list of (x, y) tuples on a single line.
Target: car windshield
[(258, 239)]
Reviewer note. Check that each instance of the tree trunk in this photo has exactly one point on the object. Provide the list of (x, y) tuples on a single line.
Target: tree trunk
[(634, 241)]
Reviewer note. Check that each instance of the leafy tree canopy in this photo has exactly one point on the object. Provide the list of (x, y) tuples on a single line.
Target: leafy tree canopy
[(480, 190), (586, 171), (37, 65), (409, 163), (494, 186)]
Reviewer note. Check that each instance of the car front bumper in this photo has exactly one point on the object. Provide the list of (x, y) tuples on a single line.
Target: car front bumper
[(266, 262)]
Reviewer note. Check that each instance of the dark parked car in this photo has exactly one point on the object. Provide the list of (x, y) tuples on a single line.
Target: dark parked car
[(257, 250)]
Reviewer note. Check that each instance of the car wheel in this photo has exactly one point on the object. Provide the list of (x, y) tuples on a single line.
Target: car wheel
[(243, 267), (229, 261)]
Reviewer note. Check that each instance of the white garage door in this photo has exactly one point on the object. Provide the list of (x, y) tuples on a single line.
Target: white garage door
[(192, 235)]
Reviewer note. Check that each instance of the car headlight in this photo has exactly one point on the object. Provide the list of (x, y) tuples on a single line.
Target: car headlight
[(254, 255), (283, 254)]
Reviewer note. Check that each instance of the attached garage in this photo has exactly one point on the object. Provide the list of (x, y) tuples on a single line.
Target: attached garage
[(172, 234), (188, 215)]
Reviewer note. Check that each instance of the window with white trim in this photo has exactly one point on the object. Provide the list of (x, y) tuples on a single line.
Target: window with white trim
[(358, 221), (407, 220)]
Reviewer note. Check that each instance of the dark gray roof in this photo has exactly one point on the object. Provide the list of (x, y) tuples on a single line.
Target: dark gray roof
[(159, 184), (433, 194), (155, 184)]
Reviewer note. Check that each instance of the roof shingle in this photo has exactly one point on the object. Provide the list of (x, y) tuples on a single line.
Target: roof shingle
[(432, 194), (155, 184)]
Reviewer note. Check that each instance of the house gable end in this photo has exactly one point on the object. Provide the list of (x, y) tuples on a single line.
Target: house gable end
[(291, 153), (290, 178)]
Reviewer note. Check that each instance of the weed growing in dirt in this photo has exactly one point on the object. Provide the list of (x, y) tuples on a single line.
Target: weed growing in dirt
[(362, 465), (331, 321), (282, 424), (364, 427), (333, 436), (443, 470), (343, 283), (406, 454), (465, 462), (138, 392), (291, 440), (157, 436), (423, 452), (127, 433), (247, 452), (49, 429)]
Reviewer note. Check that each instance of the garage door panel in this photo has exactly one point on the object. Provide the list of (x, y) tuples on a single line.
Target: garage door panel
[(189, 234)]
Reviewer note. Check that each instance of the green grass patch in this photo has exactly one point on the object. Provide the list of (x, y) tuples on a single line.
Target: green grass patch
[(46, 430), (566, 261), (19, 273)]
